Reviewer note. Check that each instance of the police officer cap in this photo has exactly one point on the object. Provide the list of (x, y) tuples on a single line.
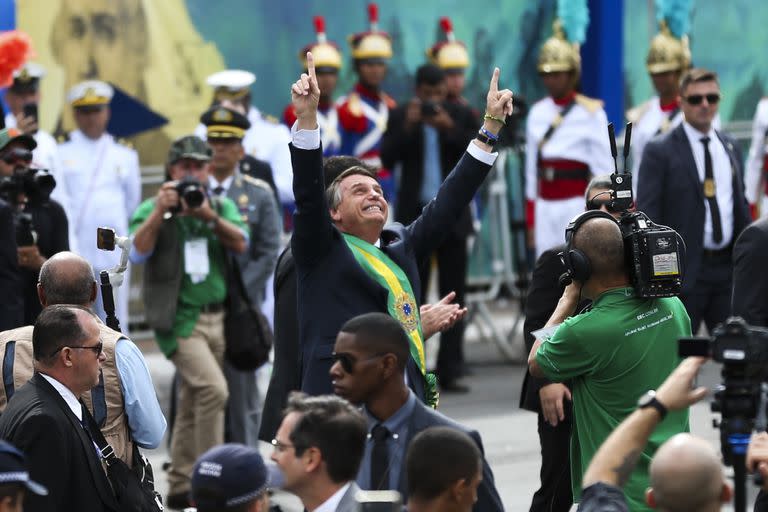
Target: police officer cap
[(231, 83), (191, 147), (9, 135), (26, 79), (225, 123), (91, 93), (229, 475), (13, 469)]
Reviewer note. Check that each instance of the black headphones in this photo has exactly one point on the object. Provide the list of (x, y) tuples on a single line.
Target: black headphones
[(577, 264)]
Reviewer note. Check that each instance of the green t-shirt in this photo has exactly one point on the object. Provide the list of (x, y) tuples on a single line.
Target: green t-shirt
[(612, 354), (192, 295)]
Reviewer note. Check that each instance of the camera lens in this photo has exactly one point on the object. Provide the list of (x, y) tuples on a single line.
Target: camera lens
[(193, 196)]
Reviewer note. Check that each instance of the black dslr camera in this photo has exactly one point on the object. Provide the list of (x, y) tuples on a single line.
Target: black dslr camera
[(192, 192), (36, 185), (741, 398), (654, 254)]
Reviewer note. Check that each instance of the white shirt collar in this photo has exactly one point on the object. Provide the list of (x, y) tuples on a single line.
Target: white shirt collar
[(67, 395), (213, 183), (695, 135), (332, 503)]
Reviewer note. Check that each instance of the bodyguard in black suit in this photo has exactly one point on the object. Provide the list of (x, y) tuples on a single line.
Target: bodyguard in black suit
[(11, 303), (691, 180), (371, 353), (750, 276), (43, 418), (425, 138), (333, 286)]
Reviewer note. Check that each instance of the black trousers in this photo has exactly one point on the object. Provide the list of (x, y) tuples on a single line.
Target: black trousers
[(710, 299), (452, 276), (555, 494)]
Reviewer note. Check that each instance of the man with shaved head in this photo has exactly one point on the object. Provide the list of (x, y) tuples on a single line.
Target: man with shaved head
[(686, 473), (124, 400), (611, 353)]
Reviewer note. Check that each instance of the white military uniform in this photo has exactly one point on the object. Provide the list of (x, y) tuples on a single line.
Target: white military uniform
[(755, 183), (103, 180), (581, 138), (649, 120), (46, 156)]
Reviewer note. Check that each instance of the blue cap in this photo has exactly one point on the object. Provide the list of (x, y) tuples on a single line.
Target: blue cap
[(229, 475), (13, 469)]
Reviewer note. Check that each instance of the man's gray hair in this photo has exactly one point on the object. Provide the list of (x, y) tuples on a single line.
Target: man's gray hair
[(333, 191), (602, 181), (73, 288)]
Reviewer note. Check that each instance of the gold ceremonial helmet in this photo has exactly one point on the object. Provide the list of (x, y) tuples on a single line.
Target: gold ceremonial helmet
[(557, 54), (373, 44), (451, 53), (668, 53), (325, 53)]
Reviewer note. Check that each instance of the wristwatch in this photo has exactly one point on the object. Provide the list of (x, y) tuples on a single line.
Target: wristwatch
[(649, 400)]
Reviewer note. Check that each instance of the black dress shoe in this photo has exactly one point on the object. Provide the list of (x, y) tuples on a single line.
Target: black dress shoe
[(178, 501), (453, 386)]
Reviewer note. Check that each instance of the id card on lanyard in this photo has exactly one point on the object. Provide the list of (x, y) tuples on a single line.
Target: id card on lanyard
[(196, 262)]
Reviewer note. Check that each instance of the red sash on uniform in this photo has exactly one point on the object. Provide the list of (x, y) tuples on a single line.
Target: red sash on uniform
[(562, 179)]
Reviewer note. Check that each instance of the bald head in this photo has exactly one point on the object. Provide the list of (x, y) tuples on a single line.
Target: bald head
[(66, 278), (600, 239), (686, 474)]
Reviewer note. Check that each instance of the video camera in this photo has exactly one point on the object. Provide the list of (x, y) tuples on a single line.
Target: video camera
[(741, 398), (36, 185), (192, 191), (654, 254)]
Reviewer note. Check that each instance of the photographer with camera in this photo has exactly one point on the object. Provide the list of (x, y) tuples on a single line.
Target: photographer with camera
[(40, 222), (427, 137), (621, 345), (182, 237)]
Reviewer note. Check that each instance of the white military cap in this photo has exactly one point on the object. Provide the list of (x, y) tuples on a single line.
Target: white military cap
[(27, 77), (231, 83), (90, 93)]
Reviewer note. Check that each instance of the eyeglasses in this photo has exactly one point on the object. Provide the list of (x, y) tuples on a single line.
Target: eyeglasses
[(348, 362), (96, 349), (696, 99), (281, 447), (16, 154)]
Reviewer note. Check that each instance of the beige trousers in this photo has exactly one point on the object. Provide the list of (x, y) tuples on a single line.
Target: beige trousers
[(202, 398)]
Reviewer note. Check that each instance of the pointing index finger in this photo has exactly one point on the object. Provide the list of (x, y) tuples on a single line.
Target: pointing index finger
[(495, 80), (311, 66)]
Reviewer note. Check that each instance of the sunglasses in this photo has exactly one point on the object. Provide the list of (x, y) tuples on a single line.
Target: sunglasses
[(348, 362), (696, 99), (96, 349), (16, 154), (279, 446)]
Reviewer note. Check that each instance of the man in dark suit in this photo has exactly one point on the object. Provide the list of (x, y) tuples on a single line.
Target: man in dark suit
[(552, 400), (44, 418), (11, 302), (370, 356), (690, 180), (341, 272), (426, 138), (750, 280)]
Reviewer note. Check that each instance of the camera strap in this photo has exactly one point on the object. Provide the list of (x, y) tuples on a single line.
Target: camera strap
[(105, 143), (556, 122)]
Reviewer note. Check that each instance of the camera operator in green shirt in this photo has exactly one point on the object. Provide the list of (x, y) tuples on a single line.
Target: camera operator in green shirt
[(612, 353), (183, 236)]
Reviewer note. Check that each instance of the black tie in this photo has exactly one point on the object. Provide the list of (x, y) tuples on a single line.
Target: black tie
[(709, 193), (380, 459), (218, 190)]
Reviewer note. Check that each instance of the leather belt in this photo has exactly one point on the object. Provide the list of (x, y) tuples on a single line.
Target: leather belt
[(212, 308)]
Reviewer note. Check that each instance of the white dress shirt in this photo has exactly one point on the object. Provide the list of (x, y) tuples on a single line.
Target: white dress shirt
[(68, 396), (331, 503), (722, 172)]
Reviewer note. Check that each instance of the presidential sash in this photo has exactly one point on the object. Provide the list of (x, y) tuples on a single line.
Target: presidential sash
[(401, 302)]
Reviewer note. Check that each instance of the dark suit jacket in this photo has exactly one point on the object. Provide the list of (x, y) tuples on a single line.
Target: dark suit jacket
[(60, 455), (407, 148), (333, 287), (543, 294), (423, 417), (670, 193), (286, 366), (11, 300), (750, 280)]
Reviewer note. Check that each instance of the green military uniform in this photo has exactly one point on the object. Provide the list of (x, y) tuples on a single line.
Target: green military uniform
[(614, 353)]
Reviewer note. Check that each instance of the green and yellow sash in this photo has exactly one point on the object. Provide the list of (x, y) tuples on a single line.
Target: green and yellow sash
[(401, 302)]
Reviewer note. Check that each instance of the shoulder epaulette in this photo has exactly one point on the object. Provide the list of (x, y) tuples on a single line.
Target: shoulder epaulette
[(125, 142), (258, 182), (61, 138), (386, 98), (353, 104), (635, 113), (271, 119), (591, 104)]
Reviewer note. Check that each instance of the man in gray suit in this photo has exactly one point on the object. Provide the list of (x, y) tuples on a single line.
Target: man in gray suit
[(318, 448), (258, 208)]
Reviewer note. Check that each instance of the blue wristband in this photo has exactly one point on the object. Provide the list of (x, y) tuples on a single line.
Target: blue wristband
[(489, 134)]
